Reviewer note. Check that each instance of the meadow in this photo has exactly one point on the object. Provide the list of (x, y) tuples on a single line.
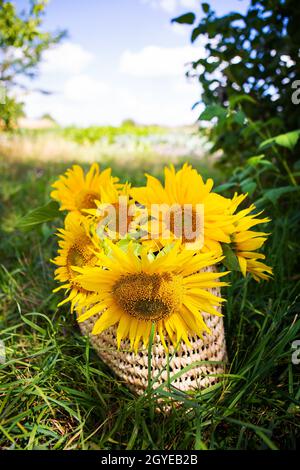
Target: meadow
[(56, 393)]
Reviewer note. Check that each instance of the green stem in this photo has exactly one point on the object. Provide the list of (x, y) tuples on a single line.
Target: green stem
[(287, 168), (152, 333)]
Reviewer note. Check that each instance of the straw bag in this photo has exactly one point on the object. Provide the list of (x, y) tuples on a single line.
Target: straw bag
[(133, 368)]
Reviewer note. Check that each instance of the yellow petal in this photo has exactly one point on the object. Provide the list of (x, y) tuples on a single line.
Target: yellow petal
[(107, 319)]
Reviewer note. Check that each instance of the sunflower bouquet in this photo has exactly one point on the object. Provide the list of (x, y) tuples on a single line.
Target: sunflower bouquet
[(144, 264)]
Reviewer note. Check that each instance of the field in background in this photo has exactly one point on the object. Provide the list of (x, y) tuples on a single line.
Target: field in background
[(55, 391), (128, 143), (42, 153)]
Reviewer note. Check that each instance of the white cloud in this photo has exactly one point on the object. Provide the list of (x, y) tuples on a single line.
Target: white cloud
[(154, 61), (106, 104), (68, 58), (171, 6), (83, 88), (167, 5), (189, 3), (185, 86), (84, 100)]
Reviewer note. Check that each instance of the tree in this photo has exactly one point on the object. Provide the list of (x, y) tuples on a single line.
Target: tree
[(48, 117), (249, 73), (22, 43)]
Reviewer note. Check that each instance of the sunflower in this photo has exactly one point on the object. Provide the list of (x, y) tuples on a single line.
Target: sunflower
[(76, 248), (115, 211), (246, 242), (135, 291), (182, 188), (76, 191)]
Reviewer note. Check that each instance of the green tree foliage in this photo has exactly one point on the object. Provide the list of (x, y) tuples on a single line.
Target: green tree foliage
[(249, 76), (22, 42)]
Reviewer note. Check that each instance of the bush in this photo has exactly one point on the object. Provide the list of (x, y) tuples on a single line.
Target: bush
[(248, 76)]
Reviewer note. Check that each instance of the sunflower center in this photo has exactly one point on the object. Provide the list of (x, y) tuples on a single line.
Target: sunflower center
[(149, 296), (185, 223), (86, 199), (80, 255)]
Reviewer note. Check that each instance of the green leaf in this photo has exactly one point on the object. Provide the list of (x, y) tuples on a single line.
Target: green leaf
[(236, 99), (259, 160), (242, 174), (187, 18), (274, 194), (38, 216), (123, 244), (230, 261), (205, 7), (224, 187), (248, 187), (255, 160), (213, 110), (287, 140), (239, 117), (297, 165), (195, 33)]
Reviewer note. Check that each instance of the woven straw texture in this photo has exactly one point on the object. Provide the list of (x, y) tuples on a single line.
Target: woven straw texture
[(133, 368)]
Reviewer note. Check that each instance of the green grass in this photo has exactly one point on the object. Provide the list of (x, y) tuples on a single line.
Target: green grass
[(56, 393)]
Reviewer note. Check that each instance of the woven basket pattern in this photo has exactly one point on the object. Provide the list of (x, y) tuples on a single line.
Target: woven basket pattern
[(133, 368)]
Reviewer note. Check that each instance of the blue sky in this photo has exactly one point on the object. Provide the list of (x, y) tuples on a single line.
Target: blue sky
[(121, 59)]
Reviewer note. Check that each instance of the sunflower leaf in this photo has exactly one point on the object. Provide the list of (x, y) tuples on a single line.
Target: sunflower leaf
[(38, 216), (230, 261)]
